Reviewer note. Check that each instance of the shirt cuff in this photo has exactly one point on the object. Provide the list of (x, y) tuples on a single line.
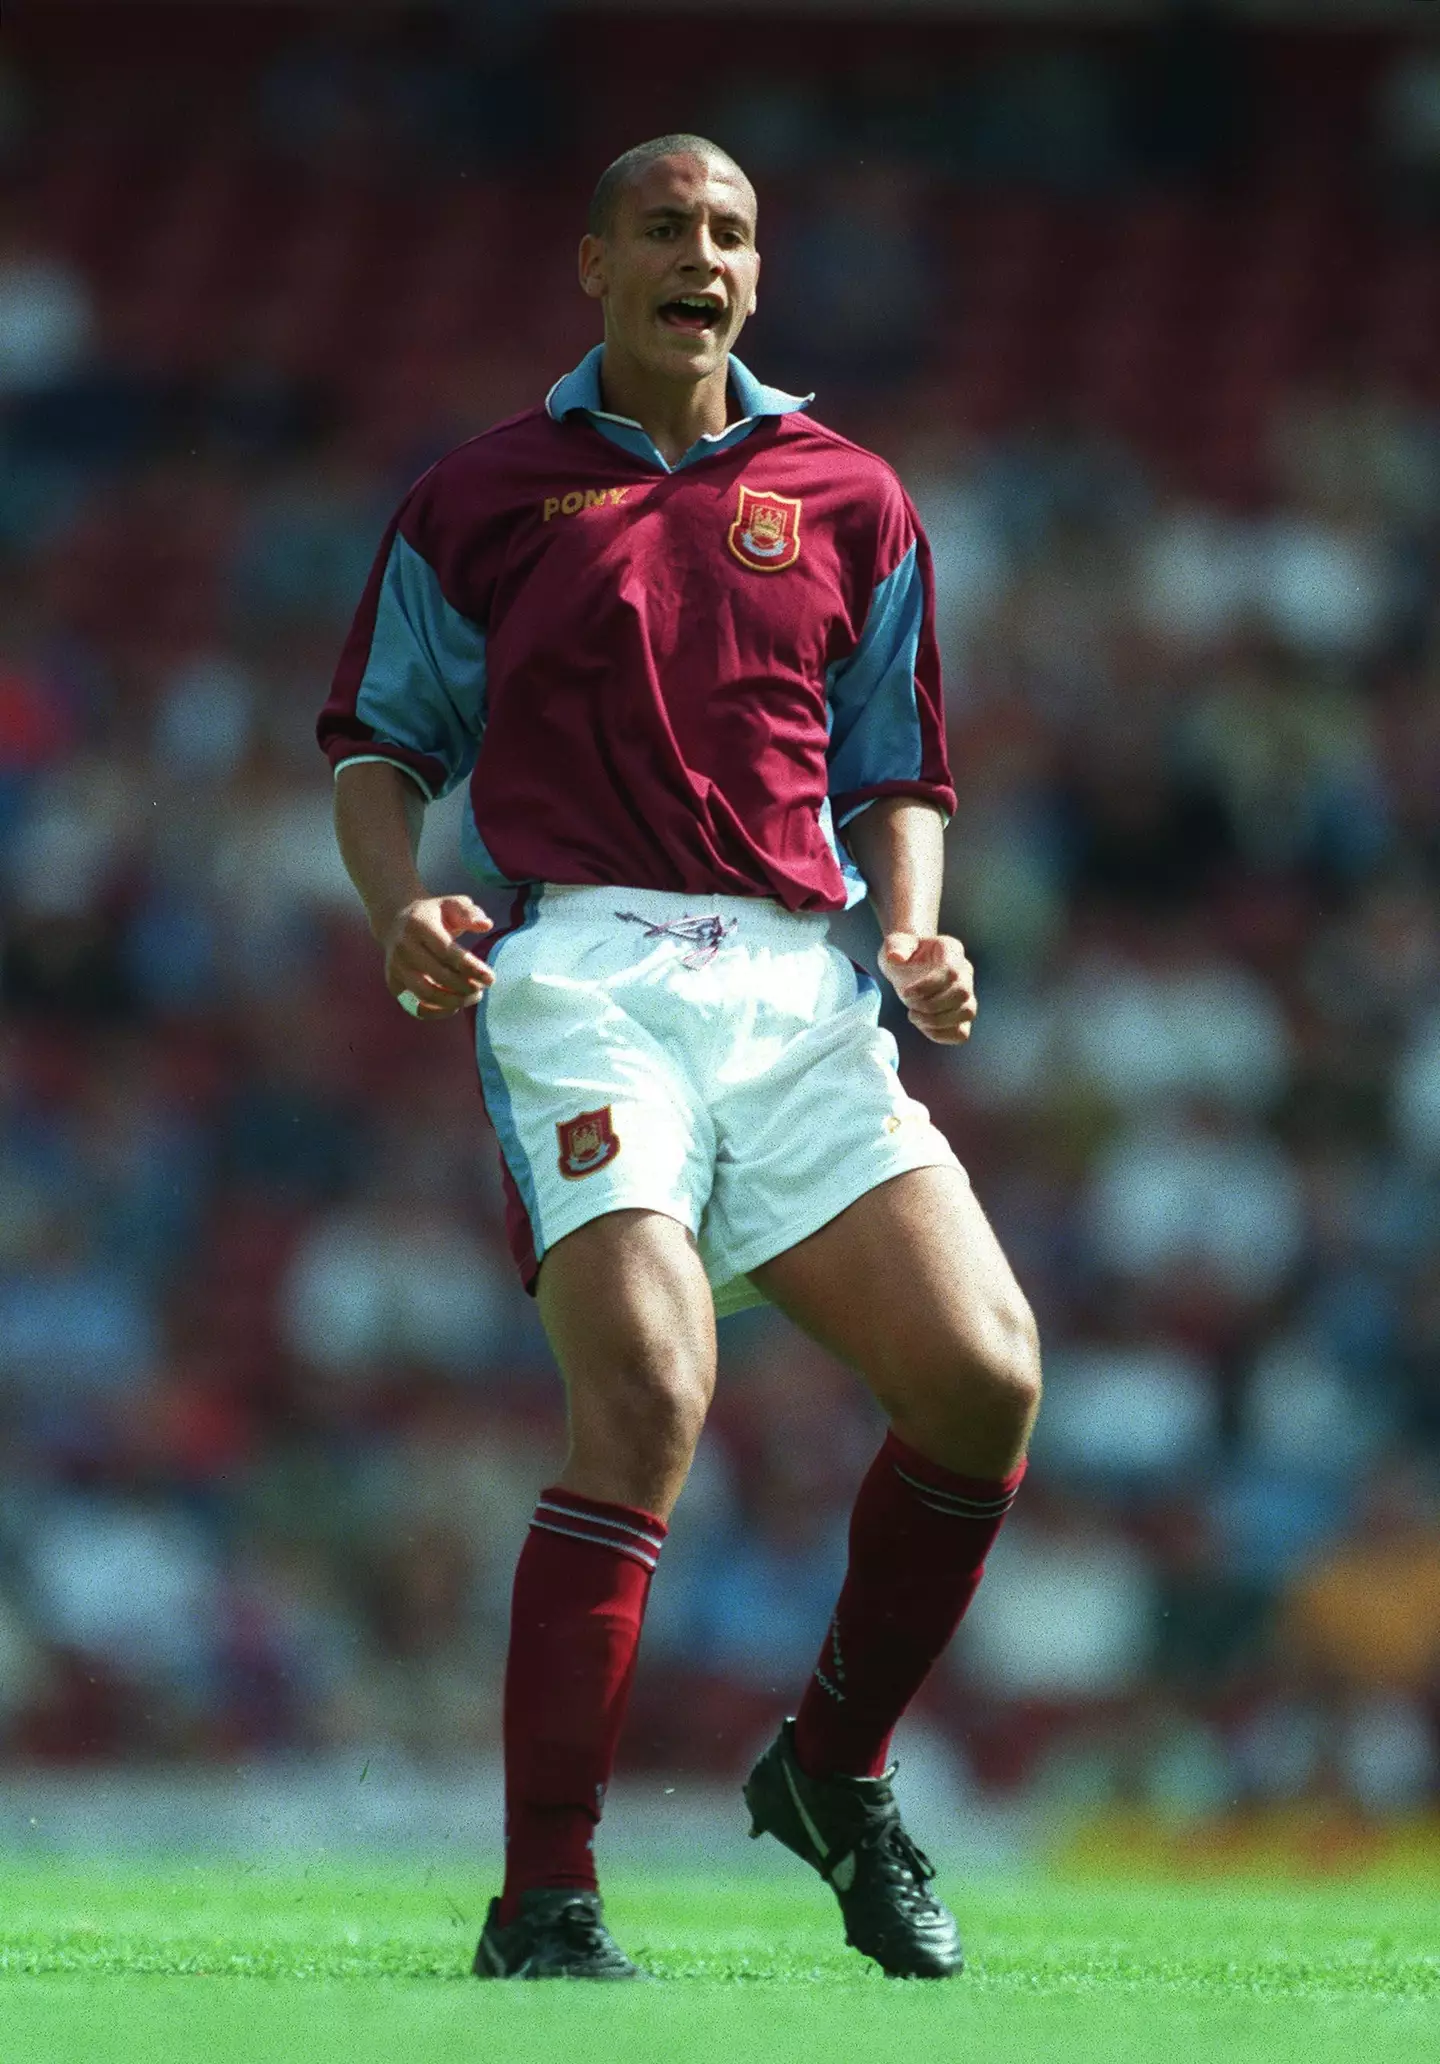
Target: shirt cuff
[(848, 807), (384, 760)]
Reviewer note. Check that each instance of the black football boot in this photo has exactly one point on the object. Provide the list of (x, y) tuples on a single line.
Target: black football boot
[(849, 1829), (554, 1935)]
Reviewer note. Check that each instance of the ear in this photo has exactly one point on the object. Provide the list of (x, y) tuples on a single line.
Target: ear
[(754, 291), (592, 266)]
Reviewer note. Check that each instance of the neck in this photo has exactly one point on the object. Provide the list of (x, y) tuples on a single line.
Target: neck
[(673, 413)]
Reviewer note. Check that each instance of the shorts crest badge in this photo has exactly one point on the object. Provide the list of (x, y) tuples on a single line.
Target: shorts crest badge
[(587, 1143), (766, 532)]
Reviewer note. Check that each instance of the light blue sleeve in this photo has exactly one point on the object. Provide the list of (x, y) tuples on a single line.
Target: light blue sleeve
[(875, 727), (424, 684)]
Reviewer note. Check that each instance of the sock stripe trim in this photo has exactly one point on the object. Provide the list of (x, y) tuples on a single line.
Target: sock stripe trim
[(917, 1483), (952, 1502), (651, 1537), (962, 1505), (960, 1511), (635, 1553), (951, 1512)]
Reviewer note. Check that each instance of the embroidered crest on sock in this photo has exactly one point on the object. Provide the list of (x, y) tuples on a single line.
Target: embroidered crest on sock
[(834, 1682)]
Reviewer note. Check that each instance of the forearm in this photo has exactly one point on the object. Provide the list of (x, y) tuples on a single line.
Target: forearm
[(899, 846), (378, 816)]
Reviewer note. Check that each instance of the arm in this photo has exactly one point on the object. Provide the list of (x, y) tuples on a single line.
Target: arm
[(890, 783), (898, 844), (378, 815), (402, 725)]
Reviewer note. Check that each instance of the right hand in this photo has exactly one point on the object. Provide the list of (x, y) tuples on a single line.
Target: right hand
[(421, 954)]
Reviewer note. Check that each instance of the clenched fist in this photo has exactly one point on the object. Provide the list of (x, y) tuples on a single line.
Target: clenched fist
[(935, 982)]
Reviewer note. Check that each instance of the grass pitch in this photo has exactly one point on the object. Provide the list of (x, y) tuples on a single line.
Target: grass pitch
[(212, 1965)]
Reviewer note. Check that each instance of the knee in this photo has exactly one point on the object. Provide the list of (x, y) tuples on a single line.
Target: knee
[(654, 1410), (988, 1375), (1005, 1362)]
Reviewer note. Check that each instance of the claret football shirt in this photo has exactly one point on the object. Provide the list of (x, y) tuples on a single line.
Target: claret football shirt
[(685, 678)]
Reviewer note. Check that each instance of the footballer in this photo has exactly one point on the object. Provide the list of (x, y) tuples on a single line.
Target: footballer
[(677, 637)]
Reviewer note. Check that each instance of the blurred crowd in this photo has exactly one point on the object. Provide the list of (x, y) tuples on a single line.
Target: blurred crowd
[(273, 1408)]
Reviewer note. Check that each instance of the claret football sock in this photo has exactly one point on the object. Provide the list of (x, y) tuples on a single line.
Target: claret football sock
[(919, 1536), (579, 1600)]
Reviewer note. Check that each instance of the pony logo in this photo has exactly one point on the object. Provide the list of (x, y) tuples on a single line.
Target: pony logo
[(766, 532), (590, 498), (587, 1142)]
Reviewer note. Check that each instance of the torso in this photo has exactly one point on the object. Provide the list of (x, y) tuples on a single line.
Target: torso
[(658, 645)]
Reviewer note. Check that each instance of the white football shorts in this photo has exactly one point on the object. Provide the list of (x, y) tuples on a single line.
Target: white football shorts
[(713, 1058)]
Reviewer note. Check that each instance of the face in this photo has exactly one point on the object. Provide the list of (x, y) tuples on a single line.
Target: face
[(676, 271)]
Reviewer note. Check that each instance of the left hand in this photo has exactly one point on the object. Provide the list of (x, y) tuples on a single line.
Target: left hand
[(935, 982)]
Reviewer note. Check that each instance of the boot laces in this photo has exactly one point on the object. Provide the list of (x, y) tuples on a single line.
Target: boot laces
[(584, 1937), (581, 1928), (903, 1864)]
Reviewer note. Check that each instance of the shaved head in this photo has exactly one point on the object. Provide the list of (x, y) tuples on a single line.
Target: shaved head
[(671, 257), (631, 163)]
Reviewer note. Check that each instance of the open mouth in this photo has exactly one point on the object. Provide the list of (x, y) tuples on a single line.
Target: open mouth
[(692, 313)]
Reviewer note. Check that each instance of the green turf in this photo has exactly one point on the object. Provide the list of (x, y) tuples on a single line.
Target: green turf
[(186, 1965)]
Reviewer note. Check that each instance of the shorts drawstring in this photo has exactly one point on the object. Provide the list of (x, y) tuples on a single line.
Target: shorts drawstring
[(704, 936)]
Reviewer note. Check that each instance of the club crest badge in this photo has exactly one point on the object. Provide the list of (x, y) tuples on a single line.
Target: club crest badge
[(586, 1143), (766, 532)]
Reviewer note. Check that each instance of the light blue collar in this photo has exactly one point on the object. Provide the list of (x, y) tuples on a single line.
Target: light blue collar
[(579, 394)]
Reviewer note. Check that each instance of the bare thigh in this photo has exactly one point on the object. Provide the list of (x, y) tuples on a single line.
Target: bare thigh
[(910, 1286), (629, 1316)]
